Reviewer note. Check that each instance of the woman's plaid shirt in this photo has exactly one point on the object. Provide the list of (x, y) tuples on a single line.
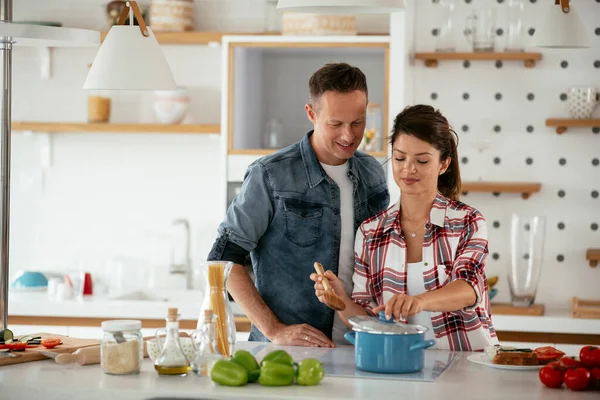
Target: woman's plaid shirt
[(455, 246)]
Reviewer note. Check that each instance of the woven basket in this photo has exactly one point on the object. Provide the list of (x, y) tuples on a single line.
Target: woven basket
[(172, 15), (318, 24)]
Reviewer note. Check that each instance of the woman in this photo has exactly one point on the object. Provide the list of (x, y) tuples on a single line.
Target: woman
[(422, 260)]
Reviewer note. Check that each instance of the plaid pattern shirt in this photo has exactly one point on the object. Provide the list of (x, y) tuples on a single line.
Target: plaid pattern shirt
[(455, 246)]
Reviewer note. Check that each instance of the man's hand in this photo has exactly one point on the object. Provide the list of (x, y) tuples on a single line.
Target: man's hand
[(300, 335)]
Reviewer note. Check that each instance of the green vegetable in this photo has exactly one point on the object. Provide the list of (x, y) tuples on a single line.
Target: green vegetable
[(310, 372), (276, 374), (247, 360), (280, 357), (6, 334), (229, 373)]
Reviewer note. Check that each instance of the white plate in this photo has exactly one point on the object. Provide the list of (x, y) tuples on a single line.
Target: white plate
[(482, 358)]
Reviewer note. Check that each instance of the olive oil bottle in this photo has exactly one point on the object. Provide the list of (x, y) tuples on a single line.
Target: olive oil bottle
[(172, 359)]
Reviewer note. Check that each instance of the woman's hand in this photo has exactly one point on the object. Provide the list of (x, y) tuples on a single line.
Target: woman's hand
[(335, 283), (401, 305)]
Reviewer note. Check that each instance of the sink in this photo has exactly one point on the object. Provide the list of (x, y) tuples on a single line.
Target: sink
[(177, 296), (182, 297)]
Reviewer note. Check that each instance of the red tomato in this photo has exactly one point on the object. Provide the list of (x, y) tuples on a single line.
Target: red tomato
[(595, 378), (14, 346), (590, 356), (547, 354), (552, 376), (50, 343), (569, 363), (577, 379)]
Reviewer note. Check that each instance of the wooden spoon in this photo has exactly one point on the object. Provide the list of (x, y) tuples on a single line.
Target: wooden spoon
[(332, 300)]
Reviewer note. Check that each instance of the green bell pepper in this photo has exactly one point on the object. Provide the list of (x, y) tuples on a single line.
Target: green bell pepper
[(229, 373), (247, 360), (310, 372), (276, 374), (280, 357)]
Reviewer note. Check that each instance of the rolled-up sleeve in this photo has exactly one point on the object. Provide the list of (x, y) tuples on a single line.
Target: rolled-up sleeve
[(471, 256), (250, 213), (363, 292)]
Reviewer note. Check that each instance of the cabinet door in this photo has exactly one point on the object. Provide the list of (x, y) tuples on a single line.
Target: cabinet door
[(268, 89)]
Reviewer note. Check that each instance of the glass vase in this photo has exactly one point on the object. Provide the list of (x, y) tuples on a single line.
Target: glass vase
[(527, 251)]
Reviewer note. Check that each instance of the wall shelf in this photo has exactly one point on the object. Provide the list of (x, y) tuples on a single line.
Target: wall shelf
[(564, 123), (205, 38), (432, 59), (593, 256), (264, 152), (48, 127), (525, 188)]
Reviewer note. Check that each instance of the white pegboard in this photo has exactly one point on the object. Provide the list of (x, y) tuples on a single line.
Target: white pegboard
[(527, 150)]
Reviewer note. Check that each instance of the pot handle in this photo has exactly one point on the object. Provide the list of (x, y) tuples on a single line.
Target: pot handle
[(350, 336), (423, 344)]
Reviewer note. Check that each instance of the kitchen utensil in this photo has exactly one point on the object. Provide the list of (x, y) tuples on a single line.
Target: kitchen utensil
[(69, 345), (84, 356), (582, 101), (386, 346), (483, 359), (331, 299), (481, 29), (527, 250)]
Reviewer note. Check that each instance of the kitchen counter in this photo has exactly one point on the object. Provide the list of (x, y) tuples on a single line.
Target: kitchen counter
[(47, 380), (36, 304)]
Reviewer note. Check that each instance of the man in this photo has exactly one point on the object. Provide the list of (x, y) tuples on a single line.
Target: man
[(303, 204)]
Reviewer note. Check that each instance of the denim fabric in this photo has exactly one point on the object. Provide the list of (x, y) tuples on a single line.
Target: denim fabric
[(287, 215)]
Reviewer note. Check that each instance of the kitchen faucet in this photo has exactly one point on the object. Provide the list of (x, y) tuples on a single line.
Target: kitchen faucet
[(181, 263)]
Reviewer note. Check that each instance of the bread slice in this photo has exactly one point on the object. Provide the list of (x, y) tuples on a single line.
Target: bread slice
[(516, 357)]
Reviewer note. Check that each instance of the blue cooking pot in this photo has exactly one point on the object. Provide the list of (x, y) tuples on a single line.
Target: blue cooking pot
[(386, 346)]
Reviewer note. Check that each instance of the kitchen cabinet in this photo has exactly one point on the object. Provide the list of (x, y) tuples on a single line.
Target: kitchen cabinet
[(265, 85)]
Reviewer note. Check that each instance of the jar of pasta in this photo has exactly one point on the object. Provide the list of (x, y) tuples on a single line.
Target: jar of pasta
[(121, 347)]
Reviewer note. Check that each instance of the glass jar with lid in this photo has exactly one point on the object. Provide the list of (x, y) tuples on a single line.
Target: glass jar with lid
[(121, 347)]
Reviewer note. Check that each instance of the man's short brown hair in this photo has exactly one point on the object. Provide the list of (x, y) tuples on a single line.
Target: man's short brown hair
[(338, 77)]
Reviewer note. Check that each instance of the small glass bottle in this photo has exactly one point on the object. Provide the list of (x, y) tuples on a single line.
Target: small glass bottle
[(172, 359), (206, 346)]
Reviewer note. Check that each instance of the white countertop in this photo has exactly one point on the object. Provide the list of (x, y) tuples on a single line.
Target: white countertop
[(190, 304), (47, 380)]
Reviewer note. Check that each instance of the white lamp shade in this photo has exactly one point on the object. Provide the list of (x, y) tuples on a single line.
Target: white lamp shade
[(128, 60), (561, 30), (341, 6), (48, 36)]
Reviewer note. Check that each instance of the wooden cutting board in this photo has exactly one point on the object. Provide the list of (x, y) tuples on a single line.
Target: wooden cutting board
[(68, 345)]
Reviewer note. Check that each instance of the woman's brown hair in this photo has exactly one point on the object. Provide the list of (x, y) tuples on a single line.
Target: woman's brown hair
[(429, 125)]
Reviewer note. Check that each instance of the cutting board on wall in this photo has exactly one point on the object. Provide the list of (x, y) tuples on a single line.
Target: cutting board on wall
[(68, 345)]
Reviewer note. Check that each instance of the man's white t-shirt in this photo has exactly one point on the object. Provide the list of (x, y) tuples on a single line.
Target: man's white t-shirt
[(339, 174)]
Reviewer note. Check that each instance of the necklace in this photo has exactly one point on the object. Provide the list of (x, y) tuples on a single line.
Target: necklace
[(414, 234)]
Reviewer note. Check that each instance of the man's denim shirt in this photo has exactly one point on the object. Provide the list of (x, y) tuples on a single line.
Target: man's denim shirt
[(287, 216)]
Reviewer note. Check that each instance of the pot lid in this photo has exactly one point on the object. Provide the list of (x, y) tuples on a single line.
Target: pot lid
[(381, 325)]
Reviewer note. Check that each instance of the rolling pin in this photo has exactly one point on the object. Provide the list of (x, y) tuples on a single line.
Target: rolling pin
[(84, 356)]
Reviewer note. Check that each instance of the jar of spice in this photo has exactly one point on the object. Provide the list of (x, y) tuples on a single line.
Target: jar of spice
[(121, 347)]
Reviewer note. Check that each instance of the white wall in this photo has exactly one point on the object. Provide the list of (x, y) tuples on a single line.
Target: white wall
[(107, 195), (577, 210)]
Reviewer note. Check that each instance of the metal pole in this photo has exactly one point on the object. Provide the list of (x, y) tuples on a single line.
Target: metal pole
[(6, 15)]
